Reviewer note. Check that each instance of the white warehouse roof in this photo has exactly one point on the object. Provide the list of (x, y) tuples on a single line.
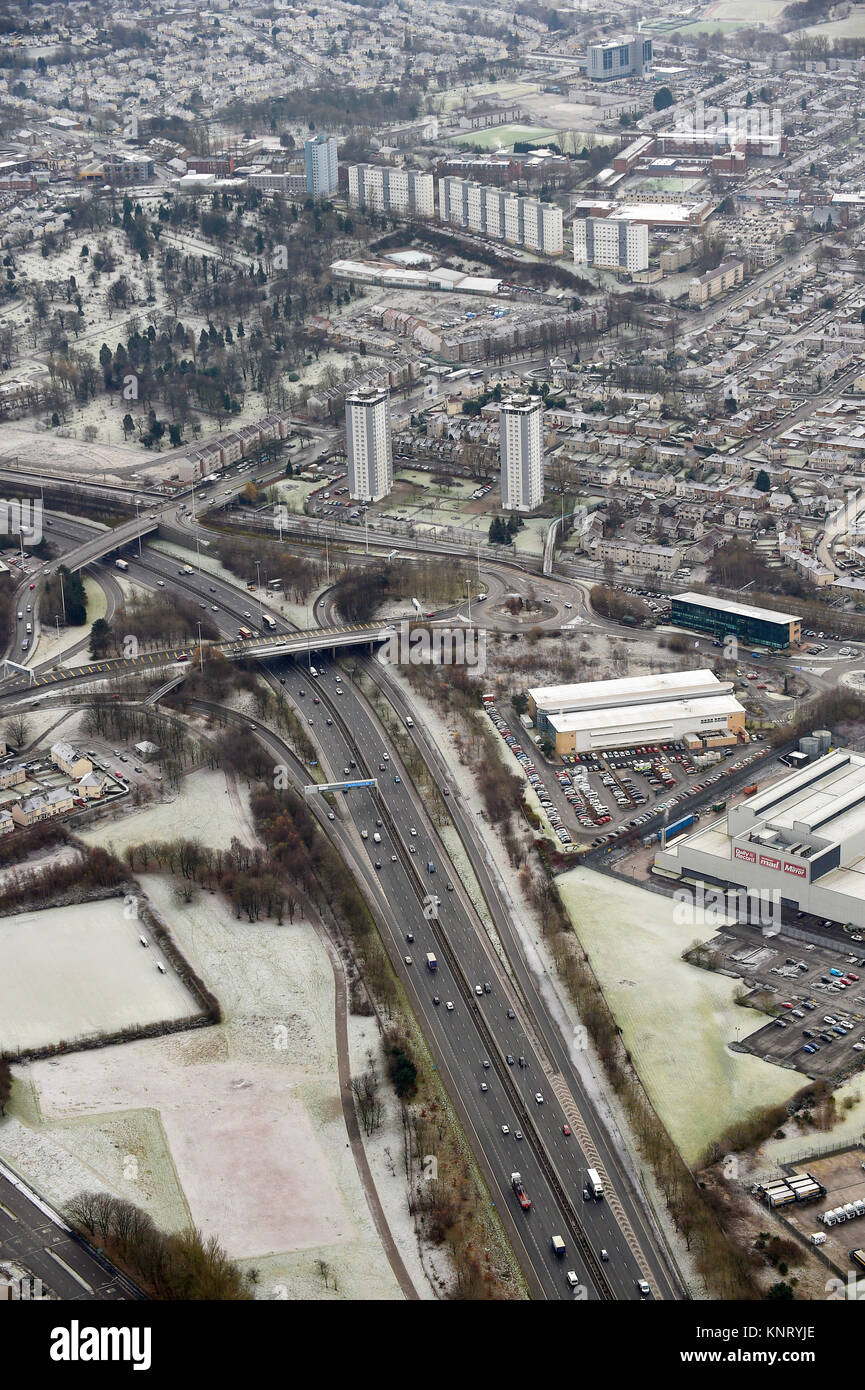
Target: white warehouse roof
[(552, 699), (637, 722)]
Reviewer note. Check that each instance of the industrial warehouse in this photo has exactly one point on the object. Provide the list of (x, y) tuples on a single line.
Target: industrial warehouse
[(678, 705), (803, 837), (719, 618)]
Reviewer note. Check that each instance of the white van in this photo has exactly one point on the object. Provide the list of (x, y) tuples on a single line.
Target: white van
[(377, 838), (28, 629)]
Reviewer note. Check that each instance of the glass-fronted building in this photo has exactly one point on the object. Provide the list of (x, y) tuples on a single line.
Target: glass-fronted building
[(718, 618)]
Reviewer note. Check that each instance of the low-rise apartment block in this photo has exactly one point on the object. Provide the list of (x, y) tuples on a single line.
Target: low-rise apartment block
[(715, 282)]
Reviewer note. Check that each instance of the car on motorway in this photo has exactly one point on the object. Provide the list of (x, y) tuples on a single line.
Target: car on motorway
[(328, 722), (381, 767), (509, 1059), (449, 1006), (511, 1013), (485, 1064), (479, 989), (331, 816), (407, 960), (450, 887), (397, 780), (643, 1287), (378, 863), (409, 936), (484, 1086), (539, 1098), (506, 1129), (518, 1134), (603, 1254), (412, 850), (436, 1000)]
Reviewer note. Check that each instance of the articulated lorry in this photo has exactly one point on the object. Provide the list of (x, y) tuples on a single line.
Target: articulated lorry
[(523, 1197), (594, 1184)]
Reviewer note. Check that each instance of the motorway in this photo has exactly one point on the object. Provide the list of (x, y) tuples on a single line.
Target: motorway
[(34, 1238), (552, 1164)]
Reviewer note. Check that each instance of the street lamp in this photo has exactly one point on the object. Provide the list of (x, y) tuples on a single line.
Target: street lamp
[(200, 649), (258, 574), (138, 524)]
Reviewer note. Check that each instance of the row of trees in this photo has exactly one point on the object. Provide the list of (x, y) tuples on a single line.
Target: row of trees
[(181, 1266), (89, 872)]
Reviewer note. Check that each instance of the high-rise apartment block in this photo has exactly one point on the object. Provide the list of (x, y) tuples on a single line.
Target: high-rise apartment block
[(499, 213), (611, 242), (388, 189), (521, 452), (368, 444), (322, 175)]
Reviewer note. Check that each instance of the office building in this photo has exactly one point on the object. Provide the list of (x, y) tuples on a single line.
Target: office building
[(319, 155), (499, 213), (368, 444), (615, 58), (521, 453), (598, 715), (718, 617), (801, 837), (379, 186), (612, 243)]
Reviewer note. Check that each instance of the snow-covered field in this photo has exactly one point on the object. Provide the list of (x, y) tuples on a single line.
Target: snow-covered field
[(676, 1020), (78, 972), (204, 809), (239, 1127)]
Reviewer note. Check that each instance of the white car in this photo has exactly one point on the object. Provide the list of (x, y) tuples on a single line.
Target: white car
[(479, 989), (484, 1086), (331, 816), (407, 960), (539, 1098), (412, 831), (506, 1129), (449, 1006)]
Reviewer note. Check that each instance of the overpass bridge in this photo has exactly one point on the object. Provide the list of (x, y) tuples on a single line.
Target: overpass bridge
[(103, 543), (260, 648)]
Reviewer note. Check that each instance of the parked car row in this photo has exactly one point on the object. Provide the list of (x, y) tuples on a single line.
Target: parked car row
[(562, 834)]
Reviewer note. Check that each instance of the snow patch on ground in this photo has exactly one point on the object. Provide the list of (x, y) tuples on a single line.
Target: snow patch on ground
[(677, 1021), (203, 810)]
